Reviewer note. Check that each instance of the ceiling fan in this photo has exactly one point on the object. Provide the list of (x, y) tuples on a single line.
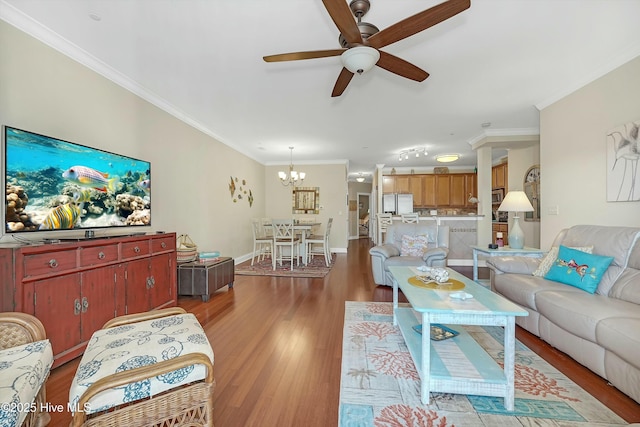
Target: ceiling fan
[(361, 42)]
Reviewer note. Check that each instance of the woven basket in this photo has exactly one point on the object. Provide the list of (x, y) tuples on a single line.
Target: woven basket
[(186, 250)]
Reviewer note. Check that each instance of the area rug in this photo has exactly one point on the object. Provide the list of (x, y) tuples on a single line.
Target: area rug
[(380, 385), (315, 268)]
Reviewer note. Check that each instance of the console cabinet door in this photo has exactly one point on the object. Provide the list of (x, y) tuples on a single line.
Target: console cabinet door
[(161, 292), (98, 299), (58, 305), (137, 286)]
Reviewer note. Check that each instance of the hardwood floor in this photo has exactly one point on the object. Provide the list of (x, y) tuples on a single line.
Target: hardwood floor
[(278, 341)]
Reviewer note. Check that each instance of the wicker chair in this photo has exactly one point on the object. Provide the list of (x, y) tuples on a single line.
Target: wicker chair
[(26, 357), (147, 369)]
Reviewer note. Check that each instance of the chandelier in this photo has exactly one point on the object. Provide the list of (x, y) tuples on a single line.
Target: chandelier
[(293, 177), (412, 152)]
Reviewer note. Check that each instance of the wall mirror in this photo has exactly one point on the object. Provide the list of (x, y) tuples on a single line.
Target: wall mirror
[(306, 200)]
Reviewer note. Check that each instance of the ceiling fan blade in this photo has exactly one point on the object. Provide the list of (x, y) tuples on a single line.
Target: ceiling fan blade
[(418, 22), (344, 20), (295, 56), (343, 81), (401, 67)]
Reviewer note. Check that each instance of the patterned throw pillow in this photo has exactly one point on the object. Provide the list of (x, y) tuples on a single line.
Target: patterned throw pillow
[(414, 245), (551, 257), (579, 269)]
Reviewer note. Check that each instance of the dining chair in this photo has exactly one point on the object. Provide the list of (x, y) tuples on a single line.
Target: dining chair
[(318, 244), (284, 235), (262, 243), (384, 221), (410, 218)]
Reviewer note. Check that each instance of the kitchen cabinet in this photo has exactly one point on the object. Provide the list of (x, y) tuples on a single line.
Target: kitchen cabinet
[(499, 176), (415, 188), (443, 185), (434, 190), (429, 191), (75, 287), (388, 184), (457, 190), (503, 228)]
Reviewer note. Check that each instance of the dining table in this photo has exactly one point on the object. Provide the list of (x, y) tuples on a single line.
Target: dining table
[(304, 229)]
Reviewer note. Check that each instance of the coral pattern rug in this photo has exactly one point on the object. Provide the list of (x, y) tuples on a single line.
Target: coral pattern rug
[(380, 385), (315, 268)]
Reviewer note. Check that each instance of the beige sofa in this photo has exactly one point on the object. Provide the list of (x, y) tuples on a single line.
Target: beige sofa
[(435, 239), (600, 330)]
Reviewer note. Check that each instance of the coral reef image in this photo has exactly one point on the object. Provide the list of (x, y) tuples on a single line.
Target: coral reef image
[(53, 185)]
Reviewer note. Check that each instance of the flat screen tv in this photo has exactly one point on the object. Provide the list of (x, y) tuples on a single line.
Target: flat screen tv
[(55, 185)]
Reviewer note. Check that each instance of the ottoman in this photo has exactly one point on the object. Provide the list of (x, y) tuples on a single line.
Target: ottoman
[(146, 369)]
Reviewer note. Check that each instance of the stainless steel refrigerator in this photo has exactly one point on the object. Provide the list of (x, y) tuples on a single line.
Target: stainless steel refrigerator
[(397, 203)]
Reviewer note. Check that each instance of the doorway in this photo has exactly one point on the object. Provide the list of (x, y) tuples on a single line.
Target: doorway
[(364, 209)]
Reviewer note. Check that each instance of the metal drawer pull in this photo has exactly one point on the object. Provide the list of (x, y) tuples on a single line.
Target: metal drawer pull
[(148, 283), (53, 263), (101, 255), (163, 245), (136, 249), (85, 304), (77, 306)]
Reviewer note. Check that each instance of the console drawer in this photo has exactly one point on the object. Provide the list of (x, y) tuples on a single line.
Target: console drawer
[(135, 249), (162, 245), (49, 264), (97, 255)]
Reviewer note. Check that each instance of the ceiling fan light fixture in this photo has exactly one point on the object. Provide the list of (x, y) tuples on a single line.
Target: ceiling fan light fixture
[(447, 158), (360, 59)]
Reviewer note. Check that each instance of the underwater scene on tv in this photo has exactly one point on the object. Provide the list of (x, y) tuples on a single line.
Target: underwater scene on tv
[(52, 184)]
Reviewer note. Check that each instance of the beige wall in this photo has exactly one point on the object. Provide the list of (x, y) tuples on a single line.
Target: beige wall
[(573, 156), (332, 182), (520, 160), (46, 92)]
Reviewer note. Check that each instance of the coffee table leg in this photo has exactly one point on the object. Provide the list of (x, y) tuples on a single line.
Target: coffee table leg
[(395, 301), (425, 380), (509, 361)]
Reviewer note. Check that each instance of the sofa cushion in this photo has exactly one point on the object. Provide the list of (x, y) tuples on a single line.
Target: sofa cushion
[(522, 289), (403, 261), (627, 287), (414, 245), (551, 257), (610, 241), (23, 370), (621, 335), (579, 269), (579, 312)]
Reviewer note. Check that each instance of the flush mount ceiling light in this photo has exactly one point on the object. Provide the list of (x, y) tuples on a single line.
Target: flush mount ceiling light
[(360, 59), (411, 152), (447, 158), (360, 178)]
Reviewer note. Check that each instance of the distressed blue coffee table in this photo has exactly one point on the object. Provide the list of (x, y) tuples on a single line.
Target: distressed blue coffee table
[(457, 365)]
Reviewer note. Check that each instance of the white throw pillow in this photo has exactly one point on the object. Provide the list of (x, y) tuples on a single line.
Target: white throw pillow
[(551, 257), (414, 245)]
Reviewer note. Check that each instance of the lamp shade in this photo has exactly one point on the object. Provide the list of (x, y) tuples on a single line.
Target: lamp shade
[(516, 201), (360, 59)]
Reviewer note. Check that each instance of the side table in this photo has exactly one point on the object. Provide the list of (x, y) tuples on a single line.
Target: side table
[(504, 251), (204, 278)]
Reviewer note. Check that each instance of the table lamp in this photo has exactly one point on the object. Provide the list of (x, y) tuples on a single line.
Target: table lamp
[(516, 201)]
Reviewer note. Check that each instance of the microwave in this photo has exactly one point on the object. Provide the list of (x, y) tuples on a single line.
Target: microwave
[(497, 195)]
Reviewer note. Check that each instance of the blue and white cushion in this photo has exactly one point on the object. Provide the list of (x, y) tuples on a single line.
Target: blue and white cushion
[(139, 344), (23, 370)]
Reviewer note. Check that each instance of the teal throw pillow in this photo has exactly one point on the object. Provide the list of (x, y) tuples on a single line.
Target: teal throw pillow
[(579, 269)]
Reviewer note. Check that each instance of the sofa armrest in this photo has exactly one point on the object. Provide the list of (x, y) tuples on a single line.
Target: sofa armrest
[(513, 264), (385, 251), (433, 255)]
